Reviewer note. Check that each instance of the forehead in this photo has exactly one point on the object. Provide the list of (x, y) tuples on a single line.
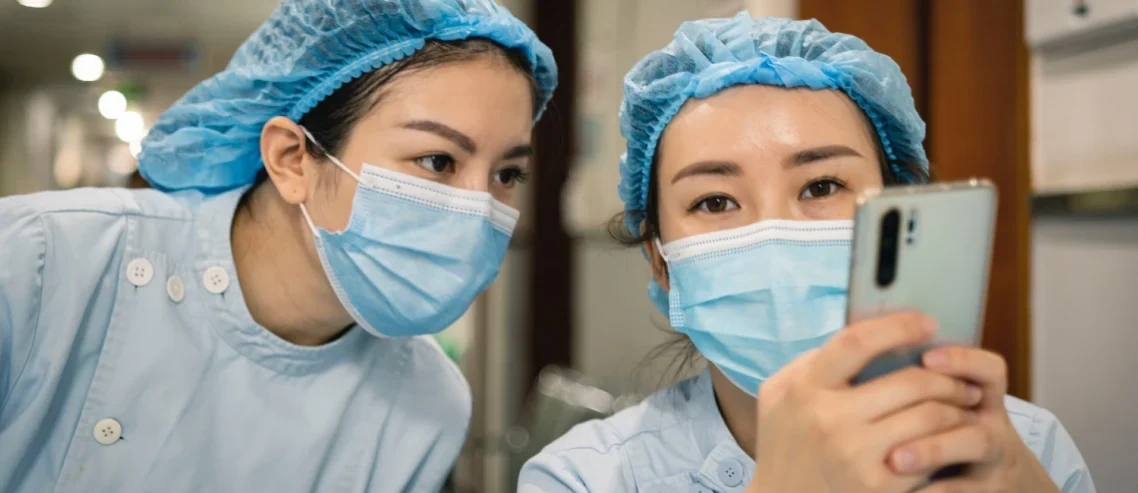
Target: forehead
[(763, 121), (468, 91)]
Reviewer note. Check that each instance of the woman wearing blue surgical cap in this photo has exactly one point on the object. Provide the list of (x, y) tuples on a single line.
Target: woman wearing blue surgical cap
[(342, 189), (748, 141)]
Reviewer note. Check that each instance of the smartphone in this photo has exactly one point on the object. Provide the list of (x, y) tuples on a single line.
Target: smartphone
[(926, 248)]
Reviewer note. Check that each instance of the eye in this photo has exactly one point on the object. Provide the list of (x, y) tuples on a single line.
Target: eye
[(436, 163), (715, 204), (821, 188), (511, 176)]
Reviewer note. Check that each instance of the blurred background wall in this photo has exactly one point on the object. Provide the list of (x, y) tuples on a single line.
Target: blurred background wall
[(1038, 95)]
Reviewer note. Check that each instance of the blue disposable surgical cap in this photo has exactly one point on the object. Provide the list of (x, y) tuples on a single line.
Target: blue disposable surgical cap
[(210, 139), (711, 55)]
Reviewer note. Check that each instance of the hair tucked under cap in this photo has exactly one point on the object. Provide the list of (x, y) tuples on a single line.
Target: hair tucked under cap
[(210, 139)]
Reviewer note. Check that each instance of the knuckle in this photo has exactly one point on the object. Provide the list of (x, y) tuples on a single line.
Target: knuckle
[(945, 416), (795, 392), (852, 340), (955, 388), (930, 453)]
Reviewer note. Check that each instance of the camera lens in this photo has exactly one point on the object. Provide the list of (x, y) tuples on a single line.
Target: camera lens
[(887, 249)]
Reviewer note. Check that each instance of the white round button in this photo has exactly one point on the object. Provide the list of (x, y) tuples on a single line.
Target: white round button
[(139, 272), (731, 473), (176, 289), (108, 431), (216, 280)]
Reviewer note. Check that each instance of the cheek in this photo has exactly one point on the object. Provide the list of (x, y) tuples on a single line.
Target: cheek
[(508, 197), (839, 207), (334, 195), (676, 223)]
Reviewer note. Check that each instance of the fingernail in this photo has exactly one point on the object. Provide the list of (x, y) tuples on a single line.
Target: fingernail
[(904, 459), (936, 358), (974, 393)]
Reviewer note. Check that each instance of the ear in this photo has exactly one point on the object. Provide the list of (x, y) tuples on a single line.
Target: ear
[(656, 260), (283, 150)]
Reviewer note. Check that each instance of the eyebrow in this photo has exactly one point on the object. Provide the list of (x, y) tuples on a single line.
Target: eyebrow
[(718, 168), (460, 139), (524, 150), (820, 154)]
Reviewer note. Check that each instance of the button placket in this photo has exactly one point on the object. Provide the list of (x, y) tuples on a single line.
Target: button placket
[(139, 272), (176, 289), (215, 280), (731, 472), (108, 431)]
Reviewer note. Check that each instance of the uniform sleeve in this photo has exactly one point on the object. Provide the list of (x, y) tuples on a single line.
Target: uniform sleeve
[(1060, 456), (23, 247)]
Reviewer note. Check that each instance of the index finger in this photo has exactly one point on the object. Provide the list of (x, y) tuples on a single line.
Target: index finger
[(848, 352)]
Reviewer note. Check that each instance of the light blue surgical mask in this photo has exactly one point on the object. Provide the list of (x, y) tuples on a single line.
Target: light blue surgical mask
[(752, 299), (415, 254)]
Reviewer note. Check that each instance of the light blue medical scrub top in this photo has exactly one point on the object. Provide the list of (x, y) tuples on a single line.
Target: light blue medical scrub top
[(130, 363), (677, 442)]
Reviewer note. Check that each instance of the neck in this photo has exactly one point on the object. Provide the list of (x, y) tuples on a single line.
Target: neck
[(738, 409), (279, 269)]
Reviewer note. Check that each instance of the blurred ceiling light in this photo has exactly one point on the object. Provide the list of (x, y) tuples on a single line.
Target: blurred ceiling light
[(112, 105), (135, 148), (35, 4), (87, 67), (130, 127)]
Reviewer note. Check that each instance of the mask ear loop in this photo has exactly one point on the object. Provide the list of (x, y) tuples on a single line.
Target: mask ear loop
[(337, 162), (332, 158), (660, 249)]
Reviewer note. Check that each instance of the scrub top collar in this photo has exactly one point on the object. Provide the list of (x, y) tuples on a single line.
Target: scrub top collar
[(717, 444), (725, 465), (226, 312)]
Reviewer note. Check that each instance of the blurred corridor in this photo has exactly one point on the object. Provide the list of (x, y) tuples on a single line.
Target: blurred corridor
[(1037, 95)]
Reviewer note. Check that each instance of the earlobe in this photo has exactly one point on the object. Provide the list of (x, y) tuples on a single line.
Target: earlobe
[(283, 152)]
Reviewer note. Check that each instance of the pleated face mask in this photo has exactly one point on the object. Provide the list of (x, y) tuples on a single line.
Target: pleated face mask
[(752, 299), (415, 254)]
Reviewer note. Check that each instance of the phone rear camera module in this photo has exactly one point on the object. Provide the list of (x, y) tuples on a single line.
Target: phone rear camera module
[(887, 248)]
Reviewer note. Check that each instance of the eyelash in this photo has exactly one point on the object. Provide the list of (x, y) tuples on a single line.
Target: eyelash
[(700, 202), (516, 175), (422, 159), (507, 177), (840, 184)]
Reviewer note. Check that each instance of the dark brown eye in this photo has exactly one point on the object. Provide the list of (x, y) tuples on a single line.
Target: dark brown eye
[(436, 163), (820, 189), (716, 204), (511, 176)]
